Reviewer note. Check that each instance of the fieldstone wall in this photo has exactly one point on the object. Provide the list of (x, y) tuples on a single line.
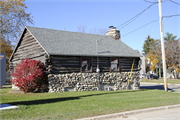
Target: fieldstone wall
[(93, 81)]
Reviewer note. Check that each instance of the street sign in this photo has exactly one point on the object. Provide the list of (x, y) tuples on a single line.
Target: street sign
[(2, 69)]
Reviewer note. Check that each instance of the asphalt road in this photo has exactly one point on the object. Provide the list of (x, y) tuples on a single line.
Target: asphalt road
[(159, 86)]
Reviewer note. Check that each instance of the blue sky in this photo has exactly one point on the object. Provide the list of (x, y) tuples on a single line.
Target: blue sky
[(69, 14)]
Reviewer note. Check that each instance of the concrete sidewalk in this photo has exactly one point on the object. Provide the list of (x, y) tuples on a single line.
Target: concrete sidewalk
[(171, 112)]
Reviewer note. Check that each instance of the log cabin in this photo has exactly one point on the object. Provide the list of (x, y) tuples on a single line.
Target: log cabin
[(67, 53)]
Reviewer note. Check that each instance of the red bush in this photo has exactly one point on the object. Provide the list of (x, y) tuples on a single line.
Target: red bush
[(28, 75)]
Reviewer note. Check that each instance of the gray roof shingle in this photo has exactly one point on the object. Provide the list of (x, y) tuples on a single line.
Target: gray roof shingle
[(58, 42)]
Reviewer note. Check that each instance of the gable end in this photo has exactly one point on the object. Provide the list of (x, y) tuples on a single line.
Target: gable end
[(27, 47)]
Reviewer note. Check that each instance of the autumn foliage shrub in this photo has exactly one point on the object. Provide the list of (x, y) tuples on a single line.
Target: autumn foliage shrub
[(28, 75)]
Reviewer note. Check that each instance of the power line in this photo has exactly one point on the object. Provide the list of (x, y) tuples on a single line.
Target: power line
[(104, 6), (136, 16), (174, 2), (154, 2), (141, 27), (150, 23), (147, 1), (132, 19), (171, 16)]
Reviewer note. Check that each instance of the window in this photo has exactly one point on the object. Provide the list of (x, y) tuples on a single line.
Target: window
[(114, 64), (86, 64)]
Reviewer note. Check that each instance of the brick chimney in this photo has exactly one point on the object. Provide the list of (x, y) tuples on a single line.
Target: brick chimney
[(113, 33)]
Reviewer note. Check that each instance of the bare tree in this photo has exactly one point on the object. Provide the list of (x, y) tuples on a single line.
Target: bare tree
[(82, 29), (93, 31), (98, 31), (101, 31), (172, 51), (173, 56)]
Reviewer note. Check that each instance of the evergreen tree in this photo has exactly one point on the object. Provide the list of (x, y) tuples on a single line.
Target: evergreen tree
[(148, 44), (169, 37)]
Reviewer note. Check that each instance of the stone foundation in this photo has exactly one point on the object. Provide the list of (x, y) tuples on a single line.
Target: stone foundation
[(93, 81)]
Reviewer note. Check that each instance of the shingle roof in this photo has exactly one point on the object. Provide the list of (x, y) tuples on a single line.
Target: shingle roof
[(58, 42)]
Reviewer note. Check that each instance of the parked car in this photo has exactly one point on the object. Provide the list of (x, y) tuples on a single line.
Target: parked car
[(152, 76), (148, 76)]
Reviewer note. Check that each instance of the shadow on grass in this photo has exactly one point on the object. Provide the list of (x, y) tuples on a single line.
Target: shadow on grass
[(6, 86), (158, 87), (54, 100)]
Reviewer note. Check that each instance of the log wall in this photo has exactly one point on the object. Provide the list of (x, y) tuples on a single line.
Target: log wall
[(63, 64), (104, 64), (27, 48), (126, 64), (73, 64)]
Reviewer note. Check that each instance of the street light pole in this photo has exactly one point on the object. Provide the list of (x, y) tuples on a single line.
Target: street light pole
[(97, 52), (162, 45), (97, 69)]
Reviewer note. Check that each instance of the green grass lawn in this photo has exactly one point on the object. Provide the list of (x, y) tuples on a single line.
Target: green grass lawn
[(169, 81), (73, 105)]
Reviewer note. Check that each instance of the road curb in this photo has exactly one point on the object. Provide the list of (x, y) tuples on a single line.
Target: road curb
[(129, 113)]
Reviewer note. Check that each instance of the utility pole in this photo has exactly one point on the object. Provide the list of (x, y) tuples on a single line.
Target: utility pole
[(162, 45), (159, 68)]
